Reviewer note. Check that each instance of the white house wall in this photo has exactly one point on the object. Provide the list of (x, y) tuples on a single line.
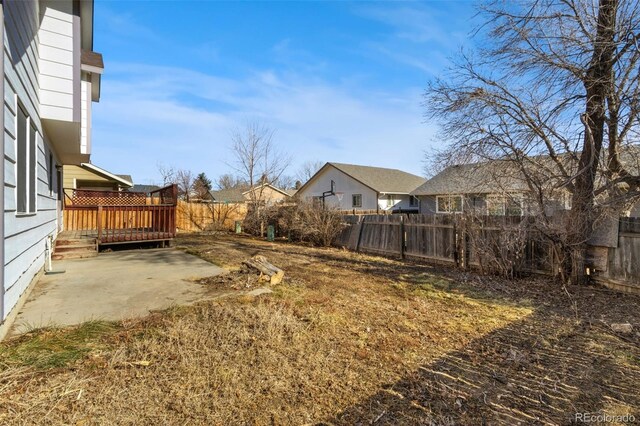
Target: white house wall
[(24, 235), (343, 183), (59, 62), (85, 123), (399, 202)]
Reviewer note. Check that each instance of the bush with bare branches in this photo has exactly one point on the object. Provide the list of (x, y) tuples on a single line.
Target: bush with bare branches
[(498, 247), (304, 221)]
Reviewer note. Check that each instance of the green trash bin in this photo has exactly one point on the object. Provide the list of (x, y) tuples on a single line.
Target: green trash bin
[(271, 233), (238, 227)]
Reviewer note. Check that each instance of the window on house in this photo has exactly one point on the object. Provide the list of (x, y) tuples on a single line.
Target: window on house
[(26, 164), (50, 168), (449, 204), (413, 201), (33, 166), (513, 206), (390, 201), (495, 205), (356, 200), (498, 205)]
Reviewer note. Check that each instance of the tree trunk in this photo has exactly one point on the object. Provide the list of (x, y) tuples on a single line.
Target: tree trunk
[(597, 83), (268, 272)]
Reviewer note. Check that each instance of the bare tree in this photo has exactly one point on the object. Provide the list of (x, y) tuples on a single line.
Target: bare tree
[(185, 180), (285, 182), (258, 161), (308, 169), (167, 174), (555, 91), (229, 181)]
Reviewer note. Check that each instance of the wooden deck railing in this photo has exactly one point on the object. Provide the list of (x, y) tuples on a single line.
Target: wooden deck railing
[(113, 217), (88, 197)]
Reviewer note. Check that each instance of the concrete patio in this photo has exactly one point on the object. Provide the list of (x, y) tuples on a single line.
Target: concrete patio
[(115, 286)]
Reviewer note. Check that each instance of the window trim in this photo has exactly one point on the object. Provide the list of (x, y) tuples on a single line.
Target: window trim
[(448, 198), (504, 200), (30, 160), (33, 167), (50, 174), (353, 203), (498, 201)]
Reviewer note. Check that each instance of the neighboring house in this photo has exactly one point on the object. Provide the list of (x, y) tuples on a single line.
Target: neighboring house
[(266, 194), (147, 189), (50, 78), (493, 187), (228, 196), (353, 187), (90, 176)]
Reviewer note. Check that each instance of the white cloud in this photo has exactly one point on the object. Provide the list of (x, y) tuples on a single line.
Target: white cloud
[(418, 35), (416, 22), (150, 114)]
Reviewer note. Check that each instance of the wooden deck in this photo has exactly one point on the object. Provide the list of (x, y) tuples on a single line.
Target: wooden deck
[(119, 236), (112, 217)]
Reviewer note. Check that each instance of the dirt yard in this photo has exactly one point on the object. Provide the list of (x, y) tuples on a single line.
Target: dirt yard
[(345, 339)]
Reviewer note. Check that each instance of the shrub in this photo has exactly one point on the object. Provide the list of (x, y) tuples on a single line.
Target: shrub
[(305, 221)]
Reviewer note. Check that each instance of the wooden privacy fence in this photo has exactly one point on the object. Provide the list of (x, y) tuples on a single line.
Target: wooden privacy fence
[(619, 266), (99, 214), (194, 217), (465, 242), (451, 239)]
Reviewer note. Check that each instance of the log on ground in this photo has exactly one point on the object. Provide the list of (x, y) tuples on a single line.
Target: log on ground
[(268, 272)]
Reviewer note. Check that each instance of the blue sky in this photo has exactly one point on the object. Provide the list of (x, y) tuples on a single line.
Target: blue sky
[(337, 81)]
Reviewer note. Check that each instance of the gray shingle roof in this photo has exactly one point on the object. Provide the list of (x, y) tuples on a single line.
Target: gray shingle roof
[(126, 177), (144, 188), (477, 178), (505, 176), (232, 195), (380, 179)]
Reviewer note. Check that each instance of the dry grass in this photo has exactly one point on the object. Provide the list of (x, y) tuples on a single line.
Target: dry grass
[(346, 338)]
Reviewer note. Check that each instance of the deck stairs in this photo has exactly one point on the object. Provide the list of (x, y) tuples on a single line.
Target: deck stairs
[(70, 246)]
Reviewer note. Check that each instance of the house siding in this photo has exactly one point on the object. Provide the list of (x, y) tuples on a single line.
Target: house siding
[(427, 204), (343, 183), (85, 114), (399, 202), (268, 195), (72, 174), (59, 80), (24, 236), (475, 202)]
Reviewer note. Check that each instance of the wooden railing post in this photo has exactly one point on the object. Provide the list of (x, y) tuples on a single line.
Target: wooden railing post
[(99, 220)]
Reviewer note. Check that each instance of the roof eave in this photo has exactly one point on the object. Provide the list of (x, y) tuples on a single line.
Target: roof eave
[(105, 173)]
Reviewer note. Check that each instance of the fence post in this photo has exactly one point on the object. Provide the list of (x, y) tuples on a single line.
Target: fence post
[(463, 234), (402, 237), (361, 223)]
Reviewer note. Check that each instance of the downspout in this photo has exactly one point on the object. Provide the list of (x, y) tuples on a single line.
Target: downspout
[(2, 313), (377, 202)]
